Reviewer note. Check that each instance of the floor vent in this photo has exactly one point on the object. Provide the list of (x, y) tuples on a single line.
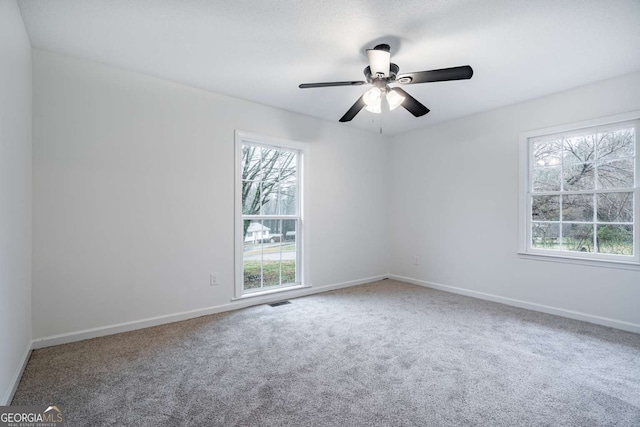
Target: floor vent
[(279, 303)]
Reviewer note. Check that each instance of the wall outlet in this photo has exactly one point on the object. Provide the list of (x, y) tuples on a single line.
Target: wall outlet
[(213, 279), (416, 260)]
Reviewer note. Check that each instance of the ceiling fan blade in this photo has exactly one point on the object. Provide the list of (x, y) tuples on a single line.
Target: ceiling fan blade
[(329, 84), (411, 104), (355, 109), (379, 60), (442, 75)]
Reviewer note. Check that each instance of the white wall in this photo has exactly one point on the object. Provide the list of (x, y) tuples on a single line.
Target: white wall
[(454, 203), (133, 195), (133, 199), (15, 196)]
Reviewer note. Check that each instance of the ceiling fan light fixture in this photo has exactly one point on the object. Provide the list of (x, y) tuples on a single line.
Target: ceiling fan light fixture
[(394, 99), (373, 97), (376, 109)]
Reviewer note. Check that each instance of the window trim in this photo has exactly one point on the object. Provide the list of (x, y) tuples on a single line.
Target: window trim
[(240, 138), (524, 211)]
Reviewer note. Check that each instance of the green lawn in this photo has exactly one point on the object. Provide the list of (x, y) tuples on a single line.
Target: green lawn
[(271, 271), (256, 249), (606, 247)]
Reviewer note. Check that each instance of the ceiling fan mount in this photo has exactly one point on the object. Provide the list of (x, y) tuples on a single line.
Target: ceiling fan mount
[(380, 73)]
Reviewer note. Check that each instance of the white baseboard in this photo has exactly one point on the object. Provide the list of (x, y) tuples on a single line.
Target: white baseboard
[(176, 317), (15, 380), (605, 321)]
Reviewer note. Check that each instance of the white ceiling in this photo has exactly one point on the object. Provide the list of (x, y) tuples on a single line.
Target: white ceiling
[(261, 50)]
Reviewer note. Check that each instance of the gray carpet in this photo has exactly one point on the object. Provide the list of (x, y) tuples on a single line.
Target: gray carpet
[(383, 354)]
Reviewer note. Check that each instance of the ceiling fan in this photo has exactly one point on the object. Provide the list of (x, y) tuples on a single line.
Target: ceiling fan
[(381, 72)]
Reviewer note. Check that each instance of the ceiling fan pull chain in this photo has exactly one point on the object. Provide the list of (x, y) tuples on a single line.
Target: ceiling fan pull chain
[(373, 121)]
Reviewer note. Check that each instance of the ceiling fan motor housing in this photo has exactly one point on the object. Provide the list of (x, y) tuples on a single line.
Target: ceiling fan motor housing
[(393, 72)]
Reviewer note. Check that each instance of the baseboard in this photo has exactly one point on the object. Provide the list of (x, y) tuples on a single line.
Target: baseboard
[(176, 317), (15, 380), (605, 321)]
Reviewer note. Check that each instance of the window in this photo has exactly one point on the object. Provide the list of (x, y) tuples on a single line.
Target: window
[(268, 214), (580, 191)]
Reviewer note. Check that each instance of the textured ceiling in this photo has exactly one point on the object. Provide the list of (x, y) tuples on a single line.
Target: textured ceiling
[(261, 50)]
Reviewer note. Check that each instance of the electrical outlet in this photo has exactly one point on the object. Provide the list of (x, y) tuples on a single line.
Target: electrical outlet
[(213, 279), (416, 260)]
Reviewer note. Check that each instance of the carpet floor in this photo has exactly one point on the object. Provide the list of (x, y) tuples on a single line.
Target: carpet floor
[(382, 354)]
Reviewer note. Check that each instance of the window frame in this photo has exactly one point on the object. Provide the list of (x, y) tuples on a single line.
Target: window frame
[(526, 140), (241, 138)]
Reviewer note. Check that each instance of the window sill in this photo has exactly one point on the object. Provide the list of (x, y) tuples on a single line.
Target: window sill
[(270, 292), (623, 265)]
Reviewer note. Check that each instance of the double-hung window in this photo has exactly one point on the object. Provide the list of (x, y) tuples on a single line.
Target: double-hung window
[(268, 214), (580, 195)]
